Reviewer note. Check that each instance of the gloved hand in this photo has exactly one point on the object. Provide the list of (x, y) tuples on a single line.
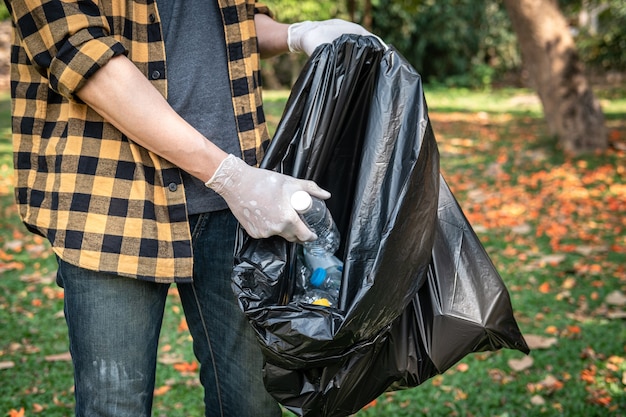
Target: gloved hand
[(306, 36), (261, 199)]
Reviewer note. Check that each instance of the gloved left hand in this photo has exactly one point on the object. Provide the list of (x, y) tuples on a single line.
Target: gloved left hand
[(261, 199), (308, 35)]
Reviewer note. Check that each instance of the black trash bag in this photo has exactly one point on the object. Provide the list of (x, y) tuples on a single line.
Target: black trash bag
[(356, 123), (464, 306)]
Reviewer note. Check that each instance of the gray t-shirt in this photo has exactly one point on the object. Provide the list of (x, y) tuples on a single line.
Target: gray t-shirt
[(198, 85)]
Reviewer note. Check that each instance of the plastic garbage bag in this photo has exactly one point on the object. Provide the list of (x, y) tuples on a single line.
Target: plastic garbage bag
[(416, 280)]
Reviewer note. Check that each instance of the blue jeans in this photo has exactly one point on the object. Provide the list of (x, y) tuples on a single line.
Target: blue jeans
[(114, 325)]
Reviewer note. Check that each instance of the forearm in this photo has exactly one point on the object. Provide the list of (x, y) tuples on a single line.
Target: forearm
[(271, 35), (121, 94)]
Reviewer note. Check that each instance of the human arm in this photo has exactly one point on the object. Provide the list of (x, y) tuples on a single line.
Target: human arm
[(271, 35), (121, 94), (276, 38), (258, 198)]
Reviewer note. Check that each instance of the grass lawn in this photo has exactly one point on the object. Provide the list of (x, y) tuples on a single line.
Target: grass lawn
[(555, 228)]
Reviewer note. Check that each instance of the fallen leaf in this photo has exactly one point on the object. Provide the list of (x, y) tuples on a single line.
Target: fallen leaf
[(616, 315), (521, 364), (573, 330), (171, 358), (588, 375), (462, 367), (186, 366), (499, 377), (182, 326), (569, 283), (161, 390), (38, 278), (59, 357), (604, 401), (539, 342), (616, 298), (544, 288), (6, 365), (460, 395), (17, 413), (522, 229), (537, 400), (11, 266), (14, 246), (553, 260), (549, 384), (552, 330)]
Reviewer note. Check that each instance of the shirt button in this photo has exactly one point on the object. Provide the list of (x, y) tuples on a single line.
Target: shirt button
[(172, 186), (152, 18), (156, 74)]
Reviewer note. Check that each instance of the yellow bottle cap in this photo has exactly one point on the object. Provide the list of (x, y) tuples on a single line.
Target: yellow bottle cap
[(322, 302)]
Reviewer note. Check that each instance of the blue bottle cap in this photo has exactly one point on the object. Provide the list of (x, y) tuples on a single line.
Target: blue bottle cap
[(318, 277)]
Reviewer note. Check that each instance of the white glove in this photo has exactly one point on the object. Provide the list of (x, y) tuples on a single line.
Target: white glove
[(261, 199), (306, 36)]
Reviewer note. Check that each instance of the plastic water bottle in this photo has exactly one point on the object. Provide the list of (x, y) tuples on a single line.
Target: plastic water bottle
[(324, 269), (315, 214)]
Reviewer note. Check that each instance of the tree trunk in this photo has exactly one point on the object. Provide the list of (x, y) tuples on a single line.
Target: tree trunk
[(351, 9), (366, 18), (367, 15), (548, 52)]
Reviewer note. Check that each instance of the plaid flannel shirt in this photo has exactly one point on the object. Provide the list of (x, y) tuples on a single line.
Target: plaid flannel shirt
[(104, 202)]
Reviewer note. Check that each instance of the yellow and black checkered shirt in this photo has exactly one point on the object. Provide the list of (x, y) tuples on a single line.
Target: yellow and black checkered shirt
[(104, 202)]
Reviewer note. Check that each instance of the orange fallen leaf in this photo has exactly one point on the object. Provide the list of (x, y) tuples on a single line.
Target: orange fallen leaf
[(11, 266), (161, 390), (462, 367), (544, 288), (16, 413), (186, 366), (573, 329), (603, 401), (588, 375), (182, 326), (552, 330)]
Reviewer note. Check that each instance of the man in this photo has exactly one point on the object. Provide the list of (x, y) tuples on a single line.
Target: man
[(122, 112)]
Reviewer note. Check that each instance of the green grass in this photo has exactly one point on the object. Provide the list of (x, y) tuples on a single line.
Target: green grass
[(555, 228)]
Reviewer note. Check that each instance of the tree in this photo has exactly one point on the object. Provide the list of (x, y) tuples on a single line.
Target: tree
[(548, 52)]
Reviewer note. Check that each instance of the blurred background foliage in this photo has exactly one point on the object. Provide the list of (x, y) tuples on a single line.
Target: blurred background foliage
[(462, 43)]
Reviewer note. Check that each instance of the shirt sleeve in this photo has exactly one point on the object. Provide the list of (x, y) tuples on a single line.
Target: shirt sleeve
[(260, 8), (66, 41)]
